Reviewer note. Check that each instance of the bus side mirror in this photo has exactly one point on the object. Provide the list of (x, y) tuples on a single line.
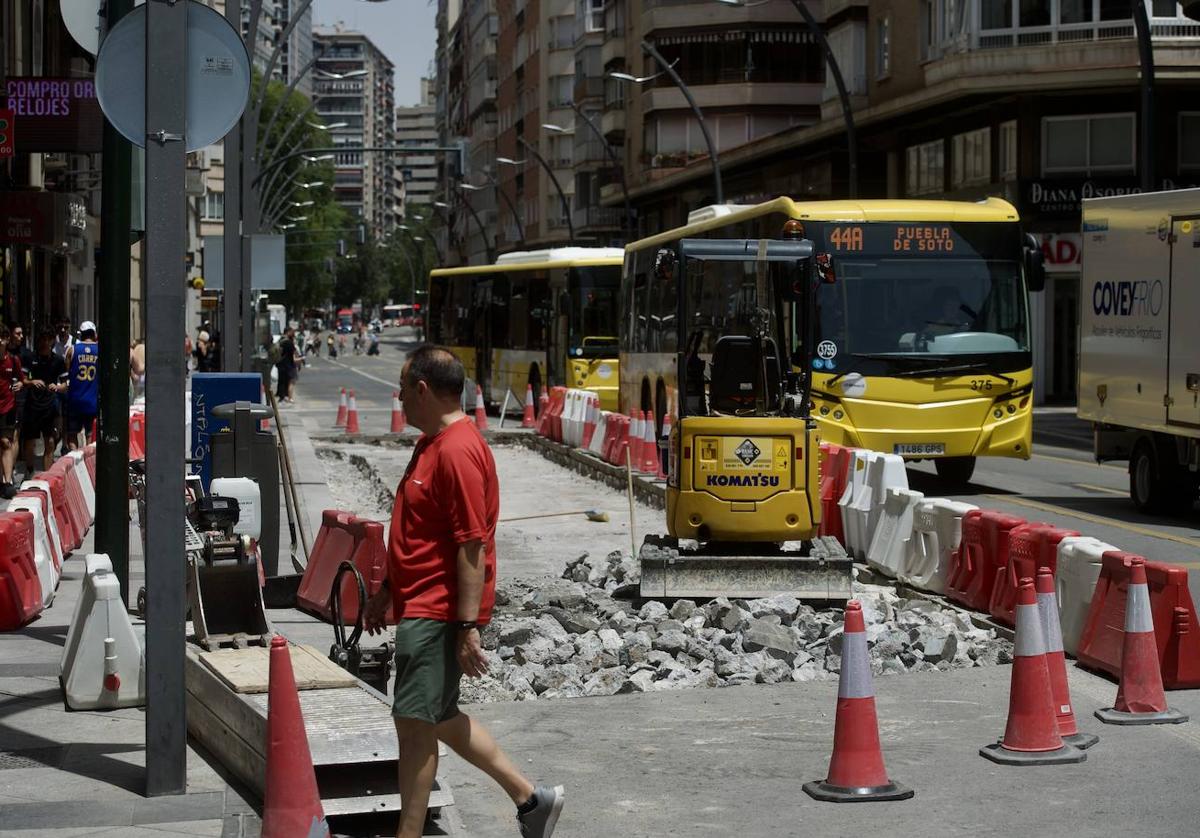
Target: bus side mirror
[(797, 281), (1035, 266)]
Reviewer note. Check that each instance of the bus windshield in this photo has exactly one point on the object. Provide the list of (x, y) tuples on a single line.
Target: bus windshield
[(592, 319), (885, 311)]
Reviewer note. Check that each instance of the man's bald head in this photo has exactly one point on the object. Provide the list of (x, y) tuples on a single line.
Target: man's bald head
[(441, 371)]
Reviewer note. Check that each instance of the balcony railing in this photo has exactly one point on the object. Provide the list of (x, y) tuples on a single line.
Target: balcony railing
[(972, 33), (603, 217)]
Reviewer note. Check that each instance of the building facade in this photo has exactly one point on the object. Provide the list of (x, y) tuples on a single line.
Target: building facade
[(354, 94), (416, 125)]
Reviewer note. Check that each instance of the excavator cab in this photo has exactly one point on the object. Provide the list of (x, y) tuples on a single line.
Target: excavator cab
[(743, 503)]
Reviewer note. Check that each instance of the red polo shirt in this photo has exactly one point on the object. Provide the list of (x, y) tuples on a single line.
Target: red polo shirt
[(10, 374), (448, 496)]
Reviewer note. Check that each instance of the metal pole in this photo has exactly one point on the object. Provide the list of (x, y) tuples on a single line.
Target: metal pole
[(508, 202), (112, 448), (669, 69), (562, 196), (231, 314), (612, 155), (488, 249), (166, 244), (847, 112), (1146, 58)]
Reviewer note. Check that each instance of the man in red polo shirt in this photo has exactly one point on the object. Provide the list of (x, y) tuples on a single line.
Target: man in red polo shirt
[(442, 583)]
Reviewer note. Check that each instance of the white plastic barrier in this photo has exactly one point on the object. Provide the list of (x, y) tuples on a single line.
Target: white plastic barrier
[(49, 566), (52, 521), (1079, 560), (572, 426), (856, 479), (85, 482), (937, 531), (888, 550), (885, 471), (92, 563), (103, 663), (597, 444)]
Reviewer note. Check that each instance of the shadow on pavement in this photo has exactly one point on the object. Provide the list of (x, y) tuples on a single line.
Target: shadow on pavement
[(933, 486), (1118, 509)]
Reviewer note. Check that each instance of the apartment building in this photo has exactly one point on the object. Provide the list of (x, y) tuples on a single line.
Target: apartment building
[(416, 125), (354, 94), (296, 50)]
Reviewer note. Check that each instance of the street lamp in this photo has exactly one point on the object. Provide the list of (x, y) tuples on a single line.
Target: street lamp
[(669, 69), (492, 182), (612, 155), (818, 34), (489, 250), (562, 196), (322, 127)]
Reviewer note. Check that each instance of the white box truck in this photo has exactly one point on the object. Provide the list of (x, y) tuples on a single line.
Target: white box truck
[(1139, 345)]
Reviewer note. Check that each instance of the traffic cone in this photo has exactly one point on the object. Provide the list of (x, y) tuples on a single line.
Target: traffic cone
[(591, 415), (664, 447), (856, 770), (291, 803), (352, 416), (1056, 663), (649, 464), (1140, 698), (1031, 736), (398, 419), (527, 420), (480, 411), (635, 439), (340, 422)]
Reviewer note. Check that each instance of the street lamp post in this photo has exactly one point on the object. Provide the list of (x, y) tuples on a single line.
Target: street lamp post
[(492, 182), (612, 155), (1141, 24), (669, 69), (489, 250), (437, 250), (818, 33), (562, 196)]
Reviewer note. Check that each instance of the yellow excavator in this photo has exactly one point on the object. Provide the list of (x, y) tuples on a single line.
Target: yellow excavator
[(743, 506)]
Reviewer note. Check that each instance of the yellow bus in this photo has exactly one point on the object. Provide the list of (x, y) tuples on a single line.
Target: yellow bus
[(922, 343), (539, 317)]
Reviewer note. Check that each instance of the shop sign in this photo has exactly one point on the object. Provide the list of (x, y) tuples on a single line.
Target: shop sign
[(1061, 252), (55, 114), (1062, 197), (52, 220)]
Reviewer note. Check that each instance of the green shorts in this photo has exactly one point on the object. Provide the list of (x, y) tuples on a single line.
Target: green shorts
[(427, 671)]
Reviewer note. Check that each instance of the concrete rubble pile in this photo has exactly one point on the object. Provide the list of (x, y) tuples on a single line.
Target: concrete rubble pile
[(571, 637)]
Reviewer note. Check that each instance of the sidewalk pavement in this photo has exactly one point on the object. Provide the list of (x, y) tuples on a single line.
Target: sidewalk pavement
[(75, 773)]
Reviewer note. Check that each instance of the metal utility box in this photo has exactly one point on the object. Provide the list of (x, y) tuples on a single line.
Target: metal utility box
[(243, 450)]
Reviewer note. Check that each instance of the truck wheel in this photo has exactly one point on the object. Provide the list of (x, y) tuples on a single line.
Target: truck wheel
[(955, 471), (1157, 485)]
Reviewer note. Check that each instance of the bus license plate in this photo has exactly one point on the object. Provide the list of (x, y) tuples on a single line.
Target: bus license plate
[(925, 449)]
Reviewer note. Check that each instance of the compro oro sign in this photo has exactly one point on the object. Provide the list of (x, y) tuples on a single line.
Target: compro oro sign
[(218, 76)]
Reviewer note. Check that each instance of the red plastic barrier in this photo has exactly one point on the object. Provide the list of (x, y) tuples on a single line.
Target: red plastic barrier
[(20, 590), (70, 537), (137, 436), (1175, 631), (835, 464), (1030, 546), (558, 403), (48, 516), (610, 432), (620, 443), (979, 558), (343, 537), (89, 460), (81, 518)]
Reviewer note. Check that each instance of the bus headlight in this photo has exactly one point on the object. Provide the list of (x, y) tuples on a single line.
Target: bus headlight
[(837, 414), (1011, 409), (998, 413), (824, 410)]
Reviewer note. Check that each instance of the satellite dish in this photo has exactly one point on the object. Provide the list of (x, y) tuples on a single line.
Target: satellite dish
[(217, 80), (85, 21)]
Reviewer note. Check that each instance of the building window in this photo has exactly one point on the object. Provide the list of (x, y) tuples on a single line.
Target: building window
[(562, 32), (883, 47), (926, 168), (1086, 144), (213, 208), (594, 15), (972, 158), (1189, 140), (1008, 150), (562, 91), (928, 29)]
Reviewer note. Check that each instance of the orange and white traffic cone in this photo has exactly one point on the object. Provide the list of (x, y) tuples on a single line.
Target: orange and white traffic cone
[(1031, 736), (527, 420), (480, 410), (664, 448), (635, 439), (591, 415), (1140, 697), (398, 419), (1056, 663), (856, 770), (291, 802), (340, 422), (649, 463), (352, 416)]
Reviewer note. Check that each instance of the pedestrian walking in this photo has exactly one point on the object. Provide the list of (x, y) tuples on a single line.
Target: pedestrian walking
[(332, 348), (442, 584), (83, 390), (47, 378), (11, 378), (286, 366)]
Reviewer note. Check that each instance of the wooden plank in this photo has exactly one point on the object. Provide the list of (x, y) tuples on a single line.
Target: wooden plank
[(211, 731), (248, 670)]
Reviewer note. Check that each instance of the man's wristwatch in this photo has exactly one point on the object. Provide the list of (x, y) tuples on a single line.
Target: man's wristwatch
[(466, 625)]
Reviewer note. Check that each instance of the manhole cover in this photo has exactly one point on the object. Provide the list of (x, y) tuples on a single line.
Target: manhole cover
[(31, 758)]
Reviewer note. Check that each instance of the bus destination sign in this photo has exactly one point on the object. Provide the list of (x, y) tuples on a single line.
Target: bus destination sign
[(881, 239)]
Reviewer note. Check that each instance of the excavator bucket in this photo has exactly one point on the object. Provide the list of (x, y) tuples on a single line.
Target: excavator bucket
[(224, 593)]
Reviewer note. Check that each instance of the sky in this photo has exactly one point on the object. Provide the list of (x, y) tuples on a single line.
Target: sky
[(404, 30)]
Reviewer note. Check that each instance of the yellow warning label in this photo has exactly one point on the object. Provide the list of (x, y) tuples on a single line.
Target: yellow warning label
[(1186, 226)]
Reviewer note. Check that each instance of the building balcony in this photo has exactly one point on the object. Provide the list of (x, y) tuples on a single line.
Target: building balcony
[(612, 121), (677, 15), (597, 218), (612, 50), (734, 95)]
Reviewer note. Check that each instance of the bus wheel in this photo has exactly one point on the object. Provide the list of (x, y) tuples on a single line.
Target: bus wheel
[(955, 471)]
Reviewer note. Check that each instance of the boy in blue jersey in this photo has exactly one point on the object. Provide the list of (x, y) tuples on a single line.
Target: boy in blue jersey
[(83, 367)]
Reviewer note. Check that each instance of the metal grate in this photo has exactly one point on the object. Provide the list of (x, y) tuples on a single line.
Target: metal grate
[(31, 758), (193, 543)]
